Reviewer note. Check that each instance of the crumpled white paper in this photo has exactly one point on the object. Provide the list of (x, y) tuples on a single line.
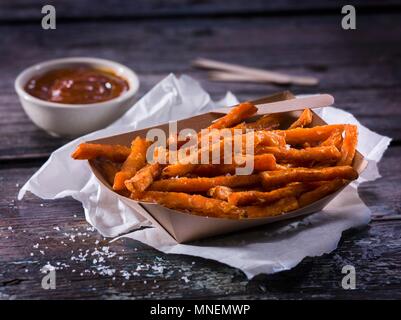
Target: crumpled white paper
[(268, 249)]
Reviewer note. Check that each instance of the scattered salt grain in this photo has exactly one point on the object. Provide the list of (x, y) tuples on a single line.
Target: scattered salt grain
[(47, 267), (125, 274), (159, 269)]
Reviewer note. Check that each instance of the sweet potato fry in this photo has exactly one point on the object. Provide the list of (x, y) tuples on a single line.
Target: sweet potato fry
[(197, 204), (212, 170), (262, 162), (269, 138), (262, 136), (266, 122), (89, 151), (236, 115), (304, 120), (301, 156), (191, 185), (135, 161), (108, 169), (282, 206), (283, 166), (188, 163), (258, 197), (323, 190), (275, 178), (220, 192), (299, 136), (348, 147), (335, 139), (143, 178)]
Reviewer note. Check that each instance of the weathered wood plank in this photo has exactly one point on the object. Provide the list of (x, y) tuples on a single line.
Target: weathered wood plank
[(374, 251), (361, 68), (21, 10), (315, 43)]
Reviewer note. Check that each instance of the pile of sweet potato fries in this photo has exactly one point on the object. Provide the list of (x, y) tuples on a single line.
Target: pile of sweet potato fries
[(293, 166)]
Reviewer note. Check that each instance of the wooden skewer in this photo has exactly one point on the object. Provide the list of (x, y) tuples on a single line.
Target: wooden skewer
[(233, 72), (235, 77), (315, 101)]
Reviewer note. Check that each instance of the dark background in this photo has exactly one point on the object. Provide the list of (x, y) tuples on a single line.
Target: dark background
[(361, 68)]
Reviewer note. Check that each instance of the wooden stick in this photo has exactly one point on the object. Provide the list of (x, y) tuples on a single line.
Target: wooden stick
[(311, 102), (240, 72)]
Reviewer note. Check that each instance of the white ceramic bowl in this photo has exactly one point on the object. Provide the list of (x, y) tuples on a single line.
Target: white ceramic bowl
[(73, 120)]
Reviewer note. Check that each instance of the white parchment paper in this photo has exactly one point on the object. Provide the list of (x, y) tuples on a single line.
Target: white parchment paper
[(268, 249)]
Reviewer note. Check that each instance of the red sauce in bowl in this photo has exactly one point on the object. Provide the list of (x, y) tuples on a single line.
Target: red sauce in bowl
[(77, 85)]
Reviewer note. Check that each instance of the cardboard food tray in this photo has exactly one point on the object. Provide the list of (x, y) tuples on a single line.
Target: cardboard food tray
[(186, 227)]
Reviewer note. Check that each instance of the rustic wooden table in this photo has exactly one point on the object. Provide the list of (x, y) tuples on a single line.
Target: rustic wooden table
[(361, 68)]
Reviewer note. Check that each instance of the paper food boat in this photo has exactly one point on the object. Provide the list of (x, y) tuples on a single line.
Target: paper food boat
[(185, 227)]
